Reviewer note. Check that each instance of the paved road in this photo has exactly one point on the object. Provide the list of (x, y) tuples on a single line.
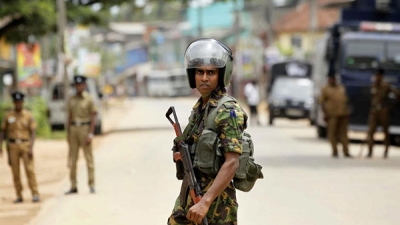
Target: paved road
[(136, 182)]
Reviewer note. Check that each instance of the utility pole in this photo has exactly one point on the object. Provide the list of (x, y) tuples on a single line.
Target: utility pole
[(200, 18), (237, 51), (61, 54), (313, 23), (269, 11)]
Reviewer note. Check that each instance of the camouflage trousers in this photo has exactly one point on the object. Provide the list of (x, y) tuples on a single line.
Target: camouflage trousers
[(223, 210)]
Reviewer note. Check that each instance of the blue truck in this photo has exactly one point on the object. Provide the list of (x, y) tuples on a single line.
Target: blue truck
[(366, 37)]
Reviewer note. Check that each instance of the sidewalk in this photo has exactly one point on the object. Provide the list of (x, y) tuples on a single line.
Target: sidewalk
[(51, 169)]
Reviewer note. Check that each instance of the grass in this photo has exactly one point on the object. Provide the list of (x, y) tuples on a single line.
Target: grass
[(58, 135)]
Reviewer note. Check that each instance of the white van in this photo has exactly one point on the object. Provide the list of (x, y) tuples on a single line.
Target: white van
[(56, 104)]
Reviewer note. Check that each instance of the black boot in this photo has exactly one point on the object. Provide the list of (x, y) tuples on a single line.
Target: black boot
[(369, 154), (72, 191), (347, 155), (385, 155), (18, 200)]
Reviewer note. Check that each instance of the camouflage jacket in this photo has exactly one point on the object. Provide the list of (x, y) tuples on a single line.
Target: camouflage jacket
[(229, 129)]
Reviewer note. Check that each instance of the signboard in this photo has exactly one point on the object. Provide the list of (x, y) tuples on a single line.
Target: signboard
[(29, 65), (89, 63)]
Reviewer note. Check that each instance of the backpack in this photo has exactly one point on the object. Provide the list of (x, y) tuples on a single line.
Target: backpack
[(248, 171)]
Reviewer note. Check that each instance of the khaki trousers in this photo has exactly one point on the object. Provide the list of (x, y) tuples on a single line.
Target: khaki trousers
[(77, 139), (337, 131), (18, 152), (378, 118)]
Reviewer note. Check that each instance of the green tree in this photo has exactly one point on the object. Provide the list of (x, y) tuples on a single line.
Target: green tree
[(21, 19)]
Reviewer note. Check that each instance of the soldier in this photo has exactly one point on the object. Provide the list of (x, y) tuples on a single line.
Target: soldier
[(208, 65), (19, 127), (380, 110), (333, 99), (80, 128)]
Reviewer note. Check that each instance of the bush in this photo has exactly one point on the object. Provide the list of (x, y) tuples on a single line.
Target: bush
[(38, 108), (5, 106)]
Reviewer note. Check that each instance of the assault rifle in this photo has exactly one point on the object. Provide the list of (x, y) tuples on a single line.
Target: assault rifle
[(184, 156)]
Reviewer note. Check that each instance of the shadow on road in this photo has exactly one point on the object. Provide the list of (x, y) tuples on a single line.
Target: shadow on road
[(320, 140), (327, 162), (136, 129)]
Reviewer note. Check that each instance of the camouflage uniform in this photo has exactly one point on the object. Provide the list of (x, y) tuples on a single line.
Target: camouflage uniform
[(223, 210)]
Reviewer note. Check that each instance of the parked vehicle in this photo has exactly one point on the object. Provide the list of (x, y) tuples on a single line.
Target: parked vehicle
[(366, 37), (290, 93), (290, 98), (56, 104), (168, 83)]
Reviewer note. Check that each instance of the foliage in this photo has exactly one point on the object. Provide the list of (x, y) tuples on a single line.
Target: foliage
[(4, 107), (38, 108), (285, 51), (22, 20)]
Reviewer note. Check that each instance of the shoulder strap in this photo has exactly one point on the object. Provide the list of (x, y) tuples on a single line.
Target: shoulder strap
[(210, 115)]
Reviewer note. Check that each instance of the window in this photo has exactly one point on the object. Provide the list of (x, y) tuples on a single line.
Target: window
[(296, 41)]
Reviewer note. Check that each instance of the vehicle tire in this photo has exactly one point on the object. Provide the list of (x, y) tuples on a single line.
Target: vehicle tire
[(321, 131), (395, 140), (271, 120), (98, 129)]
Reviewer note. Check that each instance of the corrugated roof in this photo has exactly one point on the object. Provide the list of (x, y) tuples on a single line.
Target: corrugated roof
[(298, 19)]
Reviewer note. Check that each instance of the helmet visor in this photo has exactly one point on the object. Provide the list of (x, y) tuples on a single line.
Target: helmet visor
[(206, 53)]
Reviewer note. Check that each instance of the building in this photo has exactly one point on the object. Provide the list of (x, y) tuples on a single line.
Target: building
[(297, 30)]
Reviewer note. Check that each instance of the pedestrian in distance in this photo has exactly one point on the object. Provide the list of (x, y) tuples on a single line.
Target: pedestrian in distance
[(208, 64), (379, 114), (252, 93), (334, 100), (19, 129), (80, 132)]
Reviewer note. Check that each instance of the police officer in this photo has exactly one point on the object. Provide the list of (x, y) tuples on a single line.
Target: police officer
[(208, 65), (19, 127), (333, 99), (380, 110), (80, 127)]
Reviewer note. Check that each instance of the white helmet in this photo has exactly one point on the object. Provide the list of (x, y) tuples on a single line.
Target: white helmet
[(209, 52)]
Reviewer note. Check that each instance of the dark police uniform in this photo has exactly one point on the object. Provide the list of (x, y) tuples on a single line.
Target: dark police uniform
[(81, 109), (19, 128), (379, 114)]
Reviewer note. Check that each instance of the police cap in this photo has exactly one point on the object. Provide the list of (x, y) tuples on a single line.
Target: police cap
[(79, 79), (380, 71), (17, 96)]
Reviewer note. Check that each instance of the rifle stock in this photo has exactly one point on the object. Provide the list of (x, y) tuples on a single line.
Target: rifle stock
[(184, 156)]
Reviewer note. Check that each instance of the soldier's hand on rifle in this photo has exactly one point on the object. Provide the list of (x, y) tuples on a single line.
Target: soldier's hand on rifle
[(177, 156), (197, 212)]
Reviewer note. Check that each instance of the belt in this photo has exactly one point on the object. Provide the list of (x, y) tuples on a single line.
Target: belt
[(80, 123), (17, 141)]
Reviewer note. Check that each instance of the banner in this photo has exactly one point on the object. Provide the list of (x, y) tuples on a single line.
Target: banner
[(89, 63), (29, 65)]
